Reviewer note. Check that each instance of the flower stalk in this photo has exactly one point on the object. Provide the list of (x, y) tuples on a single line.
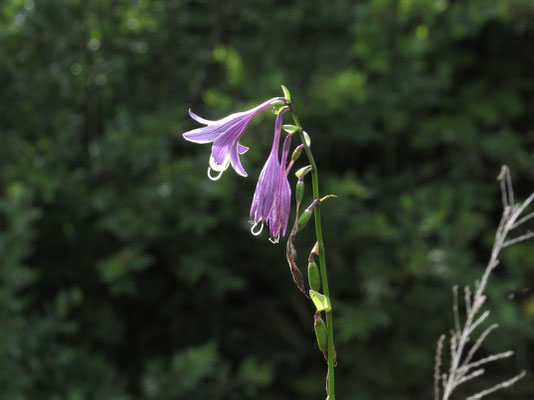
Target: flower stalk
[(322, 258), (271, 202)]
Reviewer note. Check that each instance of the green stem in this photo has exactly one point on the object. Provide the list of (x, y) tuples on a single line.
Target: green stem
[(322, 259)]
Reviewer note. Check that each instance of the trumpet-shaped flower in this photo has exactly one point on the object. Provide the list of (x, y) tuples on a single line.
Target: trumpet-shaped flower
[(225, 135), (272, 198)]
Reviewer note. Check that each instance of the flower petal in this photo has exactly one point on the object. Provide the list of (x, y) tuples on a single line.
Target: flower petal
[(265, 193), (241, 149), (200, 119), (215, 129), (285, 150), (225, 134), (236, 162), (206, 134), (226, 141), (285, 203)]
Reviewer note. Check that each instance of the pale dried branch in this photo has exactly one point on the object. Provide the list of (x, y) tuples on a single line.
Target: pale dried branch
[(455, 309), (489, 359), (479, 320), (437, 366), (521, 238), (521, 208), (523, 220), (472, 375), (467, 299), (504, 178), (510, 190), (461, 363), (453, 351), (478, 343), (499, 386)]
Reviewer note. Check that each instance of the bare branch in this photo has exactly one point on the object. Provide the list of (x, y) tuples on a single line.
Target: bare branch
[(453, 352), (521, 208), (437, 366), (461, 363), (480, 319), (522, 220), (521, 238), (472, 375), (467, 299), (479, 299), (478, 343), (489, 359), (507, 191), (455, 310), (501, 178), (508, 178), (499, 386)]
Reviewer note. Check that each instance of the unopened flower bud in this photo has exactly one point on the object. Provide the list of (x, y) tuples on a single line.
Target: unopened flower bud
[(297, 152), (306, 215), (304, 218), (303, 171), (299, 190), (321, 333), (314, 279)]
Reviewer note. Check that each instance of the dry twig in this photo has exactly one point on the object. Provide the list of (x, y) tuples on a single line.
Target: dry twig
[(461, 366)]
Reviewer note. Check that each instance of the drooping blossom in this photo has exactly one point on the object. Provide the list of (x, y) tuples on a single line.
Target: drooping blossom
[(272, 198), (225, 135), (282, 203)]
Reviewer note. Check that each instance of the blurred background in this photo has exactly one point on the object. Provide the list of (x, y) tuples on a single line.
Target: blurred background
[(125, 273)]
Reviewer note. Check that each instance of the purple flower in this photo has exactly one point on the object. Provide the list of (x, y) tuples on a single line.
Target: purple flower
[(225, 134), (272, 199)]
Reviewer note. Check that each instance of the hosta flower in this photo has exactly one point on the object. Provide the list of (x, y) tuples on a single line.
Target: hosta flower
[(225, 134), (282, 202), (272, 197)]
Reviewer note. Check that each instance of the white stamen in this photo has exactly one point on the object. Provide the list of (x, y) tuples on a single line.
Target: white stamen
[(219, 167), (275, 240), (256, 233), (216, 177)]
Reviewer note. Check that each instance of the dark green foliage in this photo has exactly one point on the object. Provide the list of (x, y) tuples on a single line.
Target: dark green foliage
[(126, 274)]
